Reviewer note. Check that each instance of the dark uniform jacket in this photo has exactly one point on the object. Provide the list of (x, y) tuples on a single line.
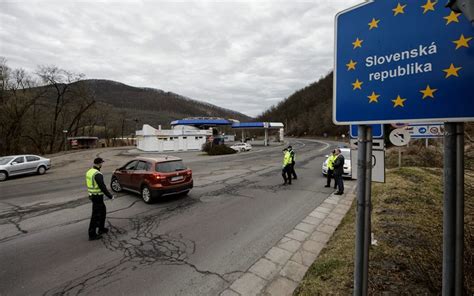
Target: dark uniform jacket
[(99, 179), (339, 165)]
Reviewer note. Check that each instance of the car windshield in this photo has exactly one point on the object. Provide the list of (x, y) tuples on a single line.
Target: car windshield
[(5, 160), (170, 166)]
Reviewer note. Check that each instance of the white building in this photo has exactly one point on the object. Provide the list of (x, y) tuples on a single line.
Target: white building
[(180, 138)]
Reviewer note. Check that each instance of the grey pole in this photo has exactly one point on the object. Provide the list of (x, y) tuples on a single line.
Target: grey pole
[(360, 218), (266, 137), (367, 211), (399, 157), (459, 268), (449, 211)]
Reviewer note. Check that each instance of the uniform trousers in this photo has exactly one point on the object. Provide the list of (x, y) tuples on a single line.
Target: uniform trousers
[(339, 182), (330, 175), (286, 173), (98, 214)]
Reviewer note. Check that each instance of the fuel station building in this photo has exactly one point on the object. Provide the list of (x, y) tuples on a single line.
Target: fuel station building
[(191, 133)]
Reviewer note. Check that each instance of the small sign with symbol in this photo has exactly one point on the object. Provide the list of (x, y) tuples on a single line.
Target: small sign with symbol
[(400, 137)]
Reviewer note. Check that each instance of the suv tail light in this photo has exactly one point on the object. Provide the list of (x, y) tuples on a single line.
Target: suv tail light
[(158, 177), (189, 173)]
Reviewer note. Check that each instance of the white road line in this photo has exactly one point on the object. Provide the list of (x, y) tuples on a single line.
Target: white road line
[(326, 145)]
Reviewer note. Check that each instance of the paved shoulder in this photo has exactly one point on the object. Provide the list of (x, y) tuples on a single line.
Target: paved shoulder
[(280, 270)]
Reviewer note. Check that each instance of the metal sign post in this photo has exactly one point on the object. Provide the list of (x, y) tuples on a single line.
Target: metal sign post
[(363, 220), (459, 267), (453, 214)]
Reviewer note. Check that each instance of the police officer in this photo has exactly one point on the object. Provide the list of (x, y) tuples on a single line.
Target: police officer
[(286, 173), (292, 165), (330, 163), (96, 189), (338, 171)]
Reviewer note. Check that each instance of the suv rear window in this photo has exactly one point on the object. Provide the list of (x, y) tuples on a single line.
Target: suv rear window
[(170, 166)]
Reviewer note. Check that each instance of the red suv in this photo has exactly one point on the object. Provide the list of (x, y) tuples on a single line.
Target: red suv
[(153, 177)]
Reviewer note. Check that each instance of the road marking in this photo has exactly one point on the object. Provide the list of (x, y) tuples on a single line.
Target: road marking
[(321, 142)]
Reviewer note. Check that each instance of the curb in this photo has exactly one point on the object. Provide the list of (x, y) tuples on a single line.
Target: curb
[(282, 267)]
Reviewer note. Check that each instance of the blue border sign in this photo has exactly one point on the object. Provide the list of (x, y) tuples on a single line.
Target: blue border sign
[(403, 61), (377, 131)]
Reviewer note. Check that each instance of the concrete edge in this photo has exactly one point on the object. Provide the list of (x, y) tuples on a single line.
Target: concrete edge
[(282, 268)]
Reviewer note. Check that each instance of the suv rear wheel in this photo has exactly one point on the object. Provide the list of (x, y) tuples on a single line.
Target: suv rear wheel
[(3, 176), (146, 195)]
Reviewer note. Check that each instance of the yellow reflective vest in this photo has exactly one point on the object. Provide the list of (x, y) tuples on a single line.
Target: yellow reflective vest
[(287, 159), (92, 186), (331, 160)]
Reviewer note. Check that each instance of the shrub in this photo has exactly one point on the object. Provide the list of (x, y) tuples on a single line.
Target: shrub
[(213, 149)]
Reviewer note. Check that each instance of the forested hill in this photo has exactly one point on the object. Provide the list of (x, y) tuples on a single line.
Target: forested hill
[(154, 106), (308, 111)]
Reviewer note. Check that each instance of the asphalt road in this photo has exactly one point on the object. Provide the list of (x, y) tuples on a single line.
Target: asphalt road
[(194, 245)]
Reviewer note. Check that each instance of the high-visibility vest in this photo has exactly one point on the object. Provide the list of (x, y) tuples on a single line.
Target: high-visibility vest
[(287, 159), (331, 160), (292, 154), (92, 186)]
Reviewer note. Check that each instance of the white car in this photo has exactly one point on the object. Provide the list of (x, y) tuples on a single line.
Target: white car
[(346, 152), (23, 164), (241, 147)]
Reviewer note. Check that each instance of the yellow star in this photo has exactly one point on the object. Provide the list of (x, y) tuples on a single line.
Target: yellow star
[(452, 17), (351, 65), (374, 24), (398, 102), (399, 9), (428, 6), (357, 84), (462, 41), (373, 97), (428, 92), (452, 71), (357, 43)]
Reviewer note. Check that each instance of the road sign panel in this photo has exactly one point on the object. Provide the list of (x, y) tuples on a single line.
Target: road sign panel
[(378, 165), (425, 131), (377, 131), (403, 62), (400, 137), (377, 144)]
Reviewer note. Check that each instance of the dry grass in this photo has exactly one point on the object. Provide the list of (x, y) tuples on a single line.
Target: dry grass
[(407, 222)]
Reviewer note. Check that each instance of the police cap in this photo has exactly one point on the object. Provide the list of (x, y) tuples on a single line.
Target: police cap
[(98, 160)]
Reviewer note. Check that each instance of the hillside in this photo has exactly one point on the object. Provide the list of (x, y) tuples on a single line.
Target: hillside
[(38, 118), (308, 111), (154, 106)]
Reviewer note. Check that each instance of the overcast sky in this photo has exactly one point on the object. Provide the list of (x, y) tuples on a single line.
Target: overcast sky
[(244, 56)]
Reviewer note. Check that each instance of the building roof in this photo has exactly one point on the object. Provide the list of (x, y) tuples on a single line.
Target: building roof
[(257, 125), (201, 122)]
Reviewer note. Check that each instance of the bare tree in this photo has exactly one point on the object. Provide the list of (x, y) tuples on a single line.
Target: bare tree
[(59, 81), (18, 94)]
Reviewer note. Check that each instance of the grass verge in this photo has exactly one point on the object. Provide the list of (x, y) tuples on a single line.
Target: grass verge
[(407, 223)]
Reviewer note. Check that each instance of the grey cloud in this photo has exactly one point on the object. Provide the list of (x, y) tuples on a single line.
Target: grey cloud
[(238, 55)]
